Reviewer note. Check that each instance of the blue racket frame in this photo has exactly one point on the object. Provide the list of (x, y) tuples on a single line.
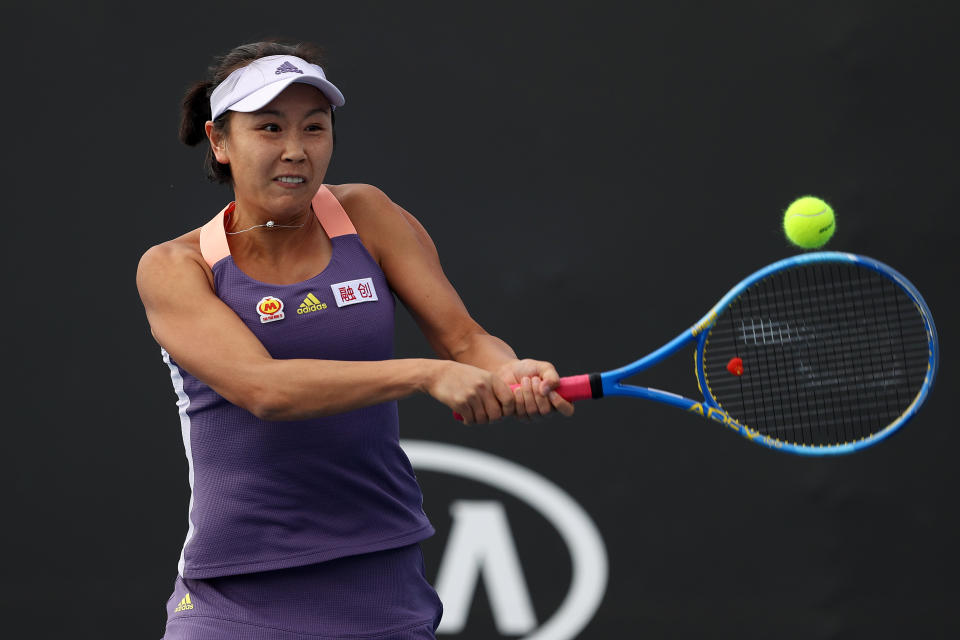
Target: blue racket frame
[(710, 409)]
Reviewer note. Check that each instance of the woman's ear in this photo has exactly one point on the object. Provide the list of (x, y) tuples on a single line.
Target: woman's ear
[(218, 142)]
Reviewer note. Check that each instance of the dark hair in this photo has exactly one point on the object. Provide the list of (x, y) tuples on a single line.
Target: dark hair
[(196, 103)]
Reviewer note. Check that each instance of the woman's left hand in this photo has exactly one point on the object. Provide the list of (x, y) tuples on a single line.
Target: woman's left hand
[(535, 396)]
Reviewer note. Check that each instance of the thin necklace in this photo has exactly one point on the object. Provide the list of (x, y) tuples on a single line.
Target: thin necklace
[(270, 224)]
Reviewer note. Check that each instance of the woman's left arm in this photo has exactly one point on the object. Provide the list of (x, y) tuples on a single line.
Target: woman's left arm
[(410, 261)]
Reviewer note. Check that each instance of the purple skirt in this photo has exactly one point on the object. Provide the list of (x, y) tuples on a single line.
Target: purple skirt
[(383, 595)]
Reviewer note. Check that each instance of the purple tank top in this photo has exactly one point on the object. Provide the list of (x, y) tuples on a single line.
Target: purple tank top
[(271, 495)]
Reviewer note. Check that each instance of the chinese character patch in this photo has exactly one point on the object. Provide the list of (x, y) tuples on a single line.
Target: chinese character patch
[(354, 292)]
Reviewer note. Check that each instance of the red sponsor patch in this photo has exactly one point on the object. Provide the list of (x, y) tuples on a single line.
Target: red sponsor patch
[(270, 309)]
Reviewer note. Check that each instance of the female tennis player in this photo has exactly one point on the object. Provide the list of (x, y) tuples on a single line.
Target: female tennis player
[(276, 321)]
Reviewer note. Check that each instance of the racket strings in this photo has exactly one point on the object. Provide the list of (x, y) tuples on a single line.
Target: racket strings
[(831, 353)]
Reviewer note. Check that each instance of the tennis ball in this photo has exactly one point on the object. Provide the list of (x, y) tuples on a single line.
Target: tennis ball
[(808, 222)]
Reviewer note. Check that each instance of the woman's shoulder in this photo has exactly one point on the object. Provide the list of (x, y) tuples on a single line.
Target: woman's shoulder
[(366, 205), (361, 199), (184, 246), (381, 223), (172, 255), (376, 217)]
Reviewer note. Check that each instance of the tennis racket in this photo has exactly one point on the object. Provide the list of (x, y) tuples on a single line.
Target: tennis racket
[(820, 353)]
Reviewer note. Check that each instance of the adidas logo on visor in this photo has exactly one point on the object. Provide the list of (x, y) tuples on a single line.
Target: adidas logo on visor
[(287, 67)]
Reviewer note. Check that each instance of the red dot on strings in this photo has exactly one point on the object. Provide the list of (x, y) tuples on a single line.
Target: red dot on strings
[(735, 366)]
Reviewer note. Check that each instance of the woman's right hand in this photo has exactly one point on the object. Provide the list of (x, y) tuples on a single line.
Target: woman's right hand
[(476, 394)]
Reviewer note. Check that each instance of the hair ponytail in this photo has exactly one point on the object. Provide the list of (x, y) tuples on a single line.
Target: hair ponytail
[(195, 113)]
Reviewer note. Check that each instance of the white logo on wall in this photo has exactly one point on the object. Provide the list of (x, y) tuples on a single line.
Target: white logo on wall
[(480, 544)]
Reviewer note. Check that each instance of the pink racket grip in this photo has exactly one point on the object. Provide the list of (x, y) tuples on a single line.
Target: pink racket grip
[(571, 389)]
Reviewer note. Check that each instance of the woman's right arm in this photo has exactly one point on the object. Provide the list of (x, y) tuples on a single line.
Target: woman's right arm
[(210, 341)]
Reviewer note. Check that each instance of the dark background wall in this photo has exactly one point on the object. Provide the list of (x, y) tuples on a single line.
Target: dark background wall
[(595, 176)]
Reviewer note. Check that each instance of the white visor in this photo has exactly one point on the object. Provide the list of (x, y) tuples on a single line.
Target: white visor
[(252, 87)]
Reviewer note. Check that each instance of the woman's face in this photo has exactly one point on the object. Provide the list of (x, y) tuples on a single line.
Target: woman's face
[(279, 155)]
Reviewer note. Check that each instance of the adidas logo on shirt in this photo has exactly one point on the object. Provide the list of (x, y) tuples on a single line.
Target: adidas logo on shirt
[(184, 604), (311, 303)]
